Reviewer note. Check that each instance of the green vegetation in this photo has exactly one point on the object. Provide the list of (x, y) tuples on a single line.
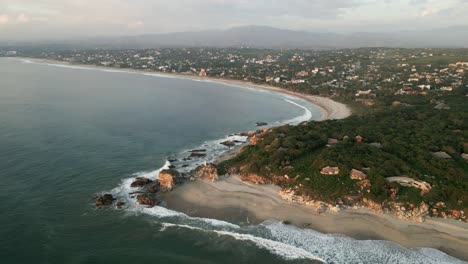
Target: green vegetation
[(408, 134)]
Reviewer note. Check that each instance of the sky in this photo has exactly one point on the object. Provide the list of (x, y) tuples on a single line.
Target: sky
[(47, 19)]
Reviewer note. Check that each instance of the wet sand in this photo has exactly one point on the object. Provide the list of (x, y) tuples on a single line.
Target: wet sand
[(235, 201)]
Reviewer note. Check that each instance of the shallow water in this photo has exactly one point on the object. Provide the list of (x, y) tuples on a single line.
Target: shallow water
[(68, 133)]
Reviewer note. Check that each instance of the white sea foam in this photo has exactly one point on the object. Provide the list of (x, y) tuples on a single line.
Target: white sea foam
[(283, 250), (286, 241), (342, 249), (297, 120), (124, 191)]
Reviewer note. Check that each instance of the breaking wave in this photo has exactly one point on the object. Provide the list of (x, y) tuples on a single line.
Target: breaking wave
[(286, 241)]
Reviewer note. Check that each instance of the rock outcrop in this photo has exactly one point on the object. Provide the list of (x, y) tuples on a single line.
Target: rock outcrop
[(197, 155), (166, 179), (254, 178), (357, 175), (140, 182), (207, 171), (144, 200), (228, 143), (103, 200)]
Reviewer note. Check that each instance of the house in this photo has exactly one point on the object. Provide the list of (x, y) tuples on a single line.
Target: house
[(410, 182), (357, 175), (330, 170), (302, 74), (447, 88), (441, 155), (332, 141), (363, 92)]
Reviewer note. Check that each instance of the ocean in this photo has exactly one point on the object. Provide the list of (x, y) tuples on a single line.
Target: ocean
[(69, 133)]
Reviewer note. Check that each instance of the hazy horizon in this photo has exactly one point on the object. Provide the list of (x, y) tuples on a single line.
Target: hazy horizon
[(27, 20)]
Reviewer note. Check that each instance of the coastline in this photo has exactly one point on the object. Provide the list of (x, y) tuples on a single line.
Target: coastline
[(329, 109), (233, 200)]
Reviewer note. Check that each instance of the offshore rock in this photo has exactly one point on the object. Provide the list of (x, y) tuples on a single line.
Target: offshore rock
[(104, 200), (228, 143), (143, 200), (140, 182)]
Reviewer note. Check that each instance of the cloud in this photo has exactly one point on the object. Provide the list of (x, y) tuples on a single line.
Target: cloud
[(76, 18), (135, 24), (22, 18), (427, 11), (4, 19)]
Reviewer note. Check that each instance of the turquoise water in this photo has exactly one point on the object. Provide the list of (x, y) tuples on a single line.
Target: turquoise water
[(68, 133)]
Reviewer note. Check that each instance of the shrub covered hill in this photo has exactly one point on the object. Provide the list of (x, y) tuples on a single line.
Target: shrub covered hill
[(408, 136)]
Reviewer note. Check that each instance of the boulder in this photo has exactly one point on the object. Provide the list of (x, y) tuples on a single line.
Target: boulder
[(154, 189), (166, 179), (228, 143), (144, 200), (140, 182), (357, 175), (253, 140), (208, 171), (104, 200), (322, 209), (464, 156), (261, 124), (254, 178), (371, 204), (197, 155)]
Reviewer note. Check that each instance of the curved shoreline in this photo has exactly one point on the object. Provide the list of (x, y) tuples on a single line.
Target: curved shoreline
[(233, 200), (329, 109)]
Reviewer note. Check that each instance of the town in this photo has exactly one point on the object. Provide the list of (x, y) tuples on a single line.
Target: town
[(359, 75)]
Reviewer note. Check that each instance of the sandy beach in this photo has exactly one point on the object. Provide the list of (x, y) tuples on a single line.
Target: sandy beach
[(235, 201), (329, 109)]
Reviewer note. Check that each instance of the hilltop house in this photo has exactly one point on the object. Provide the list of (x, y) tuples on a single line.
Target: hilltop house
[(330, 170)]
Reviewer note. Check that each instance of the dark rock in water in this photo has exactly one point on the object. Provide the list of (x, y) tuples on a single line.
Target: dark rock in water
[(119, 204), (140, 182), (173, 160), (238, 141), (154, 189), (136, 192), (104, 200), (197, 155), (198, 150), (172, 167), (185, 159), (261, 124), (143, 200), (228, 143), (185, 166)]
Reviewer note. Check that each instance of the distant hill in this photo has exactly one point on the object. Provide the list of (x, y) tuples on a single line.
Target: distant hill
[(269, 37)]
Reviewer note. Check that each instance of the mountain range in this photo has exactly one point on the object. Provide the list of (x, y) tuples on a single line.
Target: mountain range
[(275, 38)]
